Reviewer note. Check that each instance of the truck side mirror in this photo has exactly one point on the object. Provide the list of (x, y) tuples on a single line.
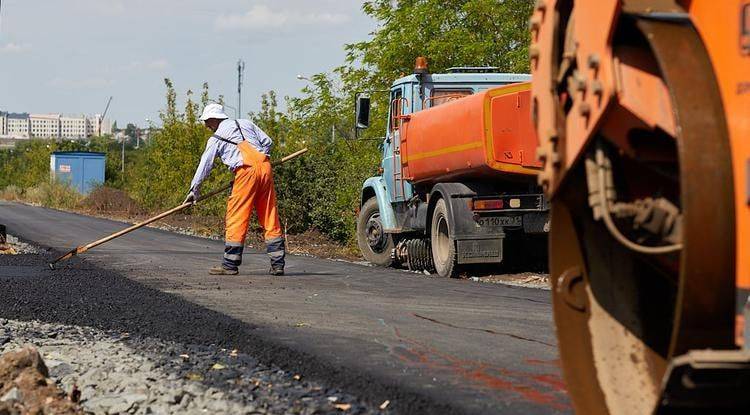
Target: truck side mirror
[(363, 111)]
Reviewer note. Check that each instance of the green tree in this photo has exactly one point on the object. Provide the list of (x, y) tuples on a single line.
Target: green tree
[(130, 130), (161, 175), (448, 33)]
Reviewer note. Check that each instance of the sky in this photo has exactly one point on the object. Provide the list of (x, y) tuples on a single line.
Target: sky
[(70, 56)]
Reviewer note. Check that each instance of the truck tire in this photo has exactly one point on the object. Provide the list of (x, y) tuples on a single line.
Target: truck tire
[(376, 245), (443, 246)]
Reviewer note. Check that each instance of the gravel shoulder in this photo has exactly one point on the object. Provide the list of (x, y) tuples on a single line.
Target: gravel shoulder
[(115, 372)]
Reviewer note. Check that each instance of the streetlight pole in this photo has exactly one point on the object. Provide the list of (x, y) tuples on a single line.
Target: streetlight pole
[(240, 71), (148, 131)]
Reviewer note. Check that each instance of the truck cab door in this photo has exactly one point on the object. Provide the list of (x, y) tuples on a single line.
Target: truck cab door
[(399, 189)]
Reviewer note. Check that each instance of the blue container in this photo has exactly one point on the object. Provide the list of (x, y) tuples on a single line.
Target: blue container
[(82, 170)]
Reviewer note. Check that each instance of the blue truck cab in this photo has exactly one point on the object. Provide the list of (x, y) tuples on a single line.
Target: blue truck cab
[(393, 224)]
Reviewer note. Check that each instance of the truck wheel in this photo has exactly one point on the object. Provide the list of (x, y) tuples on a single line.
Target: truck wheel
[(443, 246), (375, 244)]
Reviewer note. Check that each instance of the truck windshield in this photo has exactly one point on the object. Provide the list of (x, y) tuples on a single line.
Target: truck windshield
[(441, 96)]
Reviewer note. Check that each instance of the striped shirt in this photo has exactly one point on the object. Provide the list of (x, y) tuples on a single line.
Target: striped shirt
[(229, 153)]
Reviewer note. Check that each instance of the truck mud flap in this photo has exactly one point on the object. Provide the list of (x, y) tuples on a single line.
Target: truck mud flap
[(707, 381), (537, 222), (479, 251)]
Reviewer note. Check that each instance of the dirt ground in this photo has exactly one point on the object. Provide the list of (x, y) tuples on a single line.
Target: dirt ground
[(524, 279), (26, 389)]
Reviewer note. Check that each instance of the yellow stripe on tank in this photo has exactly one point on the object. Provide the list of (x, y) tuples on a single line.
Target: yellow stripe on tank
[(442, 151)]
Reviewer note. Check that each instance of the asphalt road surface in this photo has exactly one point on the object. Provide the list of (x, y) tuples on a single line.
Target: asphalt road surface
[(429, 345)]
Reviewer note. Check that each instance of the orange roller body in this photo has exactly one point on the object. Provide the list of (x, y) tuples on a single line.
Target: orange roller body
[(727, 40), (482, 135), (638, 99)]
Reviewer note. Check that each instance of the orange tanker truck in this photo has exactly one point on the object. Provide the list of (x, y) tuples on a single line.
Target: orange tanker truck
[(643, 112), (458, 184)]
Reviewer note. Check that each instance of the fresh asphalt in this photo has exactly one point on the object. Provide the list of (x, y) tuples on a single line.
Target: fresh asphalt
[(428, 345)]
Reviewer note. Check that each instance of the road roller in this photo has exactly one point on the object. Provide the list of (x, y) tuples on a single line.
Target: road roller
[(642, 108)]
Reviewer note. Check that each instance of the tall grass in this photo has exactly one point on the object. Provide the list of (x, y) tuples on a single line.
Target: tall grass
[(51, 194)]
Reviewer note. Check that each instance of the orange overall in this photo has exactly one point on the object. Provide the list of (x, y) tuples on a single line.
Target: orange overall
[(253, 189)]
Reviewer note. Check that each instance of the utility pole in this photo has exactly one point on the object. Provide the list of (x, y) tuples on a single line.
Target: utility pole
[(123, 156), (240, 71)]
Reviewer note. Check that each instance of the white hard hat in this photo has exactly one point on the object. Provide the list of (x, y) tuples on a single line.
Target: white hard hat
[(213, 111)]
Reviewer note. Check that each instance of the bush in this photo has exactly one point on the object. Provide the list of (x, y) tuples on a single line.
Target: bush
[(12, 193), (53, 194), (105, 199), (161, 175)]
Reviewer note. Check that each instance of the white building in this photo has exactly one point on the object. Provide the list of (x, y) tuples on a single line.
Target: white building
[(3, 124), (18, 125), (45, 125), (71, 127), (105, 125), (52, 126)]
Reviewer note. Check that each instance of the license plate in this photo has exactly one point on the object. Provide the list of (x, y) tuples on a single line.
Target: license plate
[(495, 221)]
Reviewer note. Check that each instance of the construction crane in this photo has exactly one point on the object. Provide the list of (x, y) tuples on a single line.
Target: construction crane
[(104, 114), (642, 108)]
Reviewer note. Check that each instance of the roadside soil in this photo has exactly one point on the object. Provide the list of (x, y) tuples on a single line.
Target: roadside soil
[(25, 387)]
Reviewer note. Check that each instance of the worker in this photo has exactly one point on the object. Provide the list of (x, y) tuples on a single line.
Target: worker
[(245, 149)]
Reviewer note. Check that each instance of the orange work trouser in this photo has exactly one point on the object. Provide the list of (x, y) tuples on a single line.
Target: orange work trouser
[(253, 189)]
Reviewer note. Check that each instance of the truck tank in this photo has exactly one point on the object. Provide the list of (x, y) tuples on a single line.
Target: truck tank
[(488, 134)]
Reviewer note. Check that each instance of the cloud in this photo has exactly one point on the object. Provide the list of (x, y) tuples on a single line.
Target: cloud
[(14, 48), (156, 65), (86, 83), (102, 7), (262, 17)]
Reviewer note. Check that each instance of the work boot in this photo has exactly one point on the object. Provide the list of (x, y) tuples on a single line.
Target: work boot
[(276, 271), (220, 270)]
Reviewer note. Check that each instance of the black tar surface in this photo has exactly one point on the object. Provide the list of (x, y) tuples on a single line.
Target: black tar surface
[(429, 345), (78, 293)]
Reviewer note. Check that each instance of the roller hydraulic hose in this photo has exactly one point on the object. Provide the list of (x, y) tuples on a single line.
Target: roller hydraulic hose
[(604, 203)]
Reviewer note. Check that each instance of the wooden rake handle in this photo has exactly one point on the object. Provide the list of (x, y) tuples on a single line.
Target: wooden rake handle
[(83, 248)]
